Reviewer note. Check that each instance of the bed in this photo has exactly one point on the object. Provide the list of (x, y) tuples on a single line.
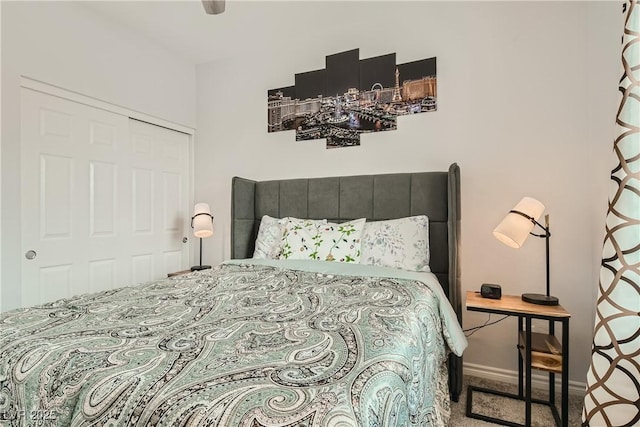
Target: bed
[(258, 342)]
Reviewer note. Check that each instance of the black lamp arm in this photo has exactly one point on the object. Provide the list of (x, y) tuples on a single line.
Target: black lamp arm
[(201, 213), (547, 233)]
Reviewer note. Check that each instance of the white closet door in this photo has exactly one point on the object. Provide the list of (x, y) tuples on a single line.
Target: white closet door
[(160, 211), (98, 192)]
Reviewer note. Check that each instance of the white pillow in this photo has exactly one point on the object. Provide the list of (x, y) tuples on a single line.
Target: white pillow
[(269, 238), (270, 234), (399, 243), (303, 239)]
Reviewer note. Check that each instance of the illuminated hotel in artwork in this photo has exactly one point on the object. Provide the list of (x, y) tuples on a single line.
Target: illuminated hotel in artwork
[(352, 96)]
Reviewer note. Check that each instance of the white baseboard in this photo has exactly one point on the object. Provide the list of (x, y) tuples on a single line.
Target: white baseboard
[(511, 377)]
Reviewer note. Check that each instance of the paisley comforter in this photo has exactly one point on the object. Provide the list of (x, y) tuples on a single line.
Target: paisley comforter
[(245, 344)]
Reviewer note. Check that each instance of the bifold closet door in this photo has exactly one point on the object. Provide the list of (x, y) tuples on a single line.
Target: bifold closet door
[(104, 199)]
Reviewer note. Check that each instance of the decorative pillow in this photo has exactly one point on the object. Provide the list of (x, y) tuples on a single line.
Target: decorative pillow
[(269, 238), (270, 234), (399, 243), (324, 242)]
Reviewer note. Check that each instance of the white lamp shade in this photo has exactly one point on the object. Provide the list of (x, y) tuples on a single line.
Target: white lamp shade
[(514, 229), (202, 224)]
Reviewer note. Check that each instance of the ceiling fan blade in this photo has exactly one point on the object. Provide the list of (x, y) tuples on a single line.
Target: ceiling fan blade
[(213, 7)]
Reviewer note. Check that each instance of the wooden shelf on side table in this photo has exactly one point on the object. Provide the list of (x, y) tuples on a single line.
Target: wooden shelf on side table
[(546, 352)]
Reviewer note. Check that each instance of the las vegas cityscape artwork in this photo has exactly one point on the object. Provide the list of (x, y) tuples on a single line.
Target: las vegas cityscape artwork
[(351, 96)]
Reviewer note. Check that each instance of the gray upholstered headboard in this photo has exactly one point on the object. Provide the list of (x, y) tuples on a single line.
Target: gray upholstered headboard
[(375, 197)]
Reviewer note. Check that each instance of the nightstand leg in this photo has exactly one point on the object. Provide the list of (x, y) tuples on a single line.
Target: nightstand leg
[(565, 372), (520, 361), (552, 376), (527, 355)]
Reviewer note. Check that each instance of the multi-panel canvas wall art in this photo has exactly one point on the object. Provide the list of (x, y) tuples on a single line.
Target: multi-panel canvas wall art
[(352, 96)]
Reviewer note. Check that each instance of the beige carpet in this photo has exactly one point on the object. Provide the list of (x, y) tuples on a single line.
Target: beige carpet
[(508, 409)]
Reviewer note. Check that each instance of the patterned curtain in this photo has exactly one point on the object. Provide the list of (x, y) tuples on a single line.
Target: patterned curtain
[(613, 381)]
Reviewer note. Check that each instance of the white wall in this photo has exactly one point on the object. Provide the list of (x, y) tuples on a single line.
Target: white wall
[(0, 181), (526, 102), (67, 45)]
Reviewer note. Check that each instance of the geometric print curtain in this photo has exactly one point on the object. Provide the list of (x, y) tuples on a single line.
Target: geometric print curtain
[(613, 380)]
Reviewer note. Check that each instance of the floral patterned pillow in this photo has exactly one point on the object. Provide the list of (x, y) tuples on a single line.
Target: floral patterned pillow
[(399, 243), (303, 239), (270, 236)]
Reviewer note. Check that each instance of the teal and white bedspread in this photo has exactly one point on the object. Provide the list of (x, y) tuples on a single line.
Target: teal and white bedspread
[(249, 343)]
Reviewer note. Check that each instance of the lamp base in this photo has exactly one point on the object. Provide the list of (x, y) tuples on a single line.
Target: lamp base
[(540, 299), (200, 267)]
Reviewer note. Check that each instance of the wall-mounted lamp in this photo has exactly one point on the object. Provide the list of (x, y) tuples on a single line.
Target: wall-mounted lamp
[(514, 230), (202, 224)]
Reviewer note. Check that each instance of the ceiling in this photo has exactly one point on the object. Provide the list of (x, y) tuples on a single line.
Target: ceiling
[(183, 27)]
